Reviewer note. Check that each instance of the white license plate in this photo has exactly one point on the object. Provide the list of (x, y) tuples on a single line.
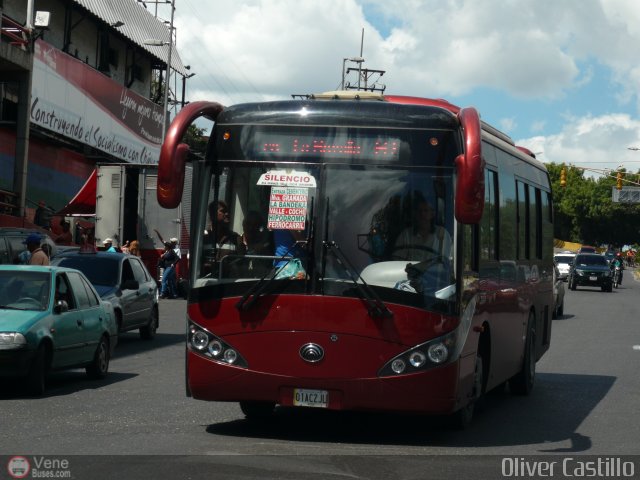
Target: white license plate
[(593, 279), (310, 398)]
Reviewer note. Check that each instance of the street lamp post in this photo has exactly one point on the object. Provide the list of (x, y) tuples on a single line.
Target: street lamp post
[(184, 86)]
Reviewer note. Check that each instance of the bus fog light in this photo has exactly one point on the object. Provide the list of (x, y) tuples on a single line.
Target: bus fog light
[(398, 366), (417, 359), (199, 340), (438, 353), (215, 348), (230, 356)]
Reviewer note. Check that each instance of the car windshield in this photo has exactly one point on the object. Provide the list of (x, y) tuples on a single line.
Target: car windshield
[(564, 258), (591, 260), (102, 271), (24, 290)]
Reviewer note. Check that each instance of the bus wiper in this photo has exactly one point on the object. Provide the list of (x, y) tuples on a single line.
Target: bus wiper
[(375, 305), (255, 292)]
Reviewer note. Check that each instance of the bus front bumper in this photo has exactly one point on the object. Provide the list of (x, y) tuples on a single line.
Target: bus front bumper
[(431, 391)]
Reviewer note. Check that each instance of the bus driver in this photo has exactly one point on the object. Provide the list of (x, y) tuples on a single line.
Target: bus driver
[(423, 239)]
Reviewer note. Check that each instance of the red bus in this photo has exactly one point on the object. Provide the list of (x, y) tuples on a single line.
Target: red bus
[(397, 255)]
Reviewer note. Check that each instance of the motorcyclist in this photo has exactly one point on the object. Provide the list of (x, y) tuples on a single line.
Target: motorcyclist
[(618, 261)]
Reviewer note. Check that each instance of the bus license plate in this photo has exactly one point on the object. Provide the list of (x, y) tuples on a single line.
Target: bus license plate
[(310, 398), (593, 279)]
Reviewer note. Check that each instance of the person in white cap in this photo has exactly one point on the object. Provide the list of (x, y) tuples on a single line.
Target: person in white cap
[(108, 245)]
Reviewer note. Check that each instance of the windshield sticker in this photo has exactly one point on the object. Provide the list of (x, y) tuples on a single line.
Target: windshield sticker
[(287, 208), (290, 178)]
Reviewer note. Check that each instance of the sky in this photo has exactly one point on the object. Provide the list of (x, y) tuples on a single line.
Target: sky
[(560, 77)]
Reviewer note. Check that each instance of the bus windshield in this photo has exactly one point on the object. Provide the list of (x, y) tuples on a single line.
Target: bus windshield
[(330, 222)]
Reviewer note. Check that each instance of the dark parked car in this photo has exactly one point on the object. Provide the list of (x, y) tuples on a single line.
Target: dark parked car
[(122, 280), (51, 318), (592, 270), (11, 243)]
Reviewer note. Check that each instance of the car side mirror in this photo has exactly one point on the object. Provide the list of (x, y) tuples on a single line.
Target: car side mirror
[(131, 285), (61, 306)]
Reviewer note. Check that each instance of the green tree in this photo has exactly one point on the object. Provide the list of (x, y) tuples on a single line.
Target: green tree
[(195, 138), (585, 213)]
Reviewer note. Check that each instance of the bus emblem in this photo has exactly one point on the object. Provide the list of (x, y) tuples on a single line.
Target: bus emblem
[(311, 353)]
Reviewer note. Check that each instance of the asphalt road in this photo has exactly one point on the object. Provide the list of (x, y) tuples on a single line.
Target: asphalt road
[(585, 402)]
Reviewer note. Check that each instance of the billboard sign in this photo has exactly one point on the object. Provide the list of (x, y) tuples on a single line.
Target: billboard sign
[(74, 100)]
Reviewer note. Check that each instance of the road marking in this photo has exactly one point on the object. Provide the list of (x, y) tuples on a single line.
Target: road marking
[(636, 347)]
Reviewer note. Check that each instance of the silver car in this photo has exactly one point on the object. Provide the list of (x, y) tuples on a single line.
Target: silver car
[(124, 281), (563, 262)]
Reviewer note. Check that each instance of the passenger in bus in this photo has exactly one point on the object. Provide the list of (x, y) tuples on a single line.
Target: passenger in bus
[(255, 236), (219, 240), (423, 239)]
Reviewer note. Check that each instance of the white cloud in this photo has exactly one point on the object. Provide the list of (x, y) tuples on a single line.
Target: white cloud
[(598, 142), (508, 124), (538, 50)]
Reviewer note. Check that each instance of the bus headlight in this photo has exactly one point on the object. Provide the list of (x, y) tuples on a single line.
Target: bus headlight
[(417, 359), (215, 348), (430, 354), (199, 340), (398, 366), (210, 346), (230, 355), (438, 353)]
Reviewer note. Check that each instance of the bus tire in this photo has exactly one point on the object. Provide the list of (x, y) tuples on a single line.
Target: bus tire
[(462, 418), (522, 382), (257, 410)]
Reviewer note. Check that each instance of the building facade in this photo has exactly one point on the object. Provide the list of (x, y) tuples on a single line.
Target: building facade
[(81, 83)]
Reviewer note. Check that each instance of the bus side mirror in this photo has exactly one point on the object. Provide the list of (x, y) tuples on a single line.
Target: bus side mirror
[(470, 170), (173, 154)]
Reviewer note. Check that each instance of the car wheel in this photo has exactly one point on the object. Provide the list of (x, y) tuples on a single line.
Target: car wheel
[(522, 382), (462, 418), (148, 332), (257, 410), (37, 376), (100, 364)]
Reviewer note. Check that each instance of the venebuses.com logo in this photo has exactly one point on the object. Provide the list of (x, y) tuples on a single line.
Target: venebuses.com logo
[(18, 467), (38, 467)]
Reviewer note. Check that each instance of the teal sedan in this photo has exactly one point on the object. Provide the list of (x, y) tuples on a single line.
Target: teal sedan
[(52, 318)]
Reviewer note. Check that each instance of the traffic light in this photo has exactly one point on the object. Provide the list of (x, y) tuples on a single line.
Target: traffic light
[(563, 177), (619, 181)]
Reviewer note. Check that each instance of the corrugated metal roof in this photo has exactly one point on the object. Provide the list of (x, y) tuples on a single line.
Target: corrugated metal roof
[(139, 25)]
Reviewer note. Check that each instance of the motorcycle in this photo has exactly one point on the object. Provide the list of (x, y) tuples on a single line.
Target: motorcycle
[(617, 274)]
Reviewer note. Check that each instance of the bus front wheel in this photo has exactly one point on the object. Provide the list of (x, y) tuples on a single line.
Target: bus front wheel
[(462, 418), (257, 410)]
